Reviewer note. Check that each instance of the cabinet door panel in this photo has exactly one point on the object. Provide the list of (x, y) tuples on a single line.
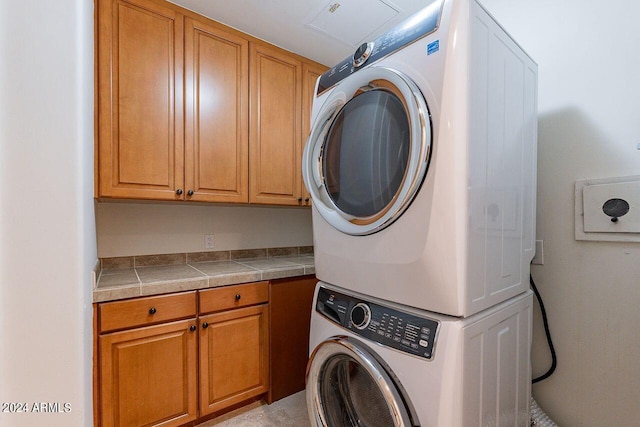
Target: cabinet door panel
[(310, 74), (216, 130), (148, 376), (234, 357), (275, 134), (140, 100)]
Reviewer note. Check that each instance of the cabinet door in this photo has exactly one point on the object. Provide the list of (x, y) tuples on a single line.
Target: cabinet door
[(148, 376), (140, 50), (310, 74), (234, 357), (275, 134), (217, 114)]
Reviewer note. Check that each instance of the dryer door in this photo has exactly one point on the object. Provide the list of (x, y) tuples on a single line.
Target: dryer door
[(348, 386), (368, 150)]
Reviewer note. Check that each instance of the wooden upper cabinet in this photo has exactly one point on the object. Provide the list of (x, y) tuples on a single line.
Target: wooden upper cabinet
[(140, 65), (310, 74), (192, 110), (216, 119), (275, 132)]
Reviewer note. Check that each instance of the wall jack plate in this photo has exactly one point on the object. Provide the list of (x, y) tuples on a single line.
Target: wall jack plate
[(608, 209), (208, 241)]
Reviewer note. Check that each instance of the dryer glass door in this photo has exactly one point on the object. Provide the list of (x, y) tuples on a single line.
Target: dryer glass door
[(368, 151), (348, 386)]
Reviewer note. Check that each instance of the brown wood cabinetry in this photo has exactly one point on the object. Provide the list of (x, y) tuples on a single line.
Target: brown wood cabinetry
[(163, 362), (290, 303), (148, 374), (234, 345), (178, 118), (310, 74), (140, 52), (216, 119), (275, 133)]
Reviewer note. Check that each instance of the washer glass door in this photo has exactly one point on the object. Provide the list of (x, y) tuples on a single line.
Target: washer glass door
[(348, 386), (368, 151)]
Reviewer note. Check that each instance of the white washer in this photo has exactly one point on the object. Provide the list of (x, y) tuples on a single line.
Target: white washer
[(375, 364), (421, 164)]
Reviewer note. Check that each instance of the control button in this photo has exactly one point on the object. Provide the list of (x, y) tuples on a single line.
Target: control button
[(426, 331), (360, 315), (424, 343), (405, 342), (397, 339), (414, 346), (362, 54), (388, 335)]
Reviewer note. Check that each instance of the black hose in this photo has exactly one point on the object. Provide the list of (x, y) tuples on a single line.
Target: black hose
[(554, 359)]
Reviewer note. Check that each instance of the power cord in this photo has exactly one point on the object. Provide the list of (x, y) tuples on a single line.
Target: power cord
[(554, 359)]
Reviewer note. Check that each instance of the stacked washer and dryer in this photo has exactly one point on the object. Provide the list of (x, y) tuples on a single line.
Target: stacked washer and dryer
[(421, 164)]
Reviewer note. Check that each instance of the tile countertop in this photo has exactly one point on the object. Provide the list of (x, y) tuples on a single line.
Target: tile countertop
[(121, 283)]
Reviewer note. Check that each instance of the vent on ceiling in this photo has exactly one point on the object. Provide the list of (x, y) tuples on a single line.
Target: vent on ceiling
[(352, 21)]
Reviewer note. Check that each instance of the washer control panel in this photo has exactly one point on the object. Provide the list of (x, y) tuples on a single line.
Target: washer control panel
[(390, 327), (415, 27)]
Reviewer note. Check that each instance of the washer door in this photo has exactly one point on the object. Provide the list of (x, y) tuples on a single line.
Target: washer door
[(368, 150), (348, 386)]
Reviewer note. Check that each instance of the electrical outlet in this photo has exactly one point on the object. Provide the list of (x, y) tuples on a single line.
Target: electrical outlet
[(208, 241), (539, 256)]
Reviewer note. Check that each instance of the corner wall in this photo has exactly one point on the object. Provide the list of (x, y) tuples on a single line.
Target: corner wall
[(47, 228), (589, 97)]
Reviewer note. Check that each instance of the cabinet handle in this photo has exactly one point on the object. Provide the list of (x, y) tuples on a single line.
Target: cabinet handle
[(205, 325), (152, 311), (306, 200), (299, 199), (179, 191), (190, 193), (192, 328), (238, 296)]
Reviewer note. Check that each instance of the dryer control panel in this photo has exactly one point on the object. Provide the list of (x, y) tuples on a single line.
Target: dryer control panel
[(415, 27), (393, 328)]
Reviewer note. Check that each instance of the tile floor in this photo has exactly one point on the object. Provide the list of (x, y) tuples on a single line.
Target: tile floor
[(288, 412)]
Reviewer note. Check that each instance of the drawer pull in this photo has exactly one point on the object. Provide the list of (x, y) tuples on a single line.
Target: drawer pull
[(152, 311), (205, 325), (192, 328), (238, 296)]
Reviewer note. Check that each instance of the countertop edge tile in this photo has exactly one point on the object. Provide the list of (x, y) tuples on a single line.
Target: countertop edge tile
[(280, 273), (114, 293), (169, 286), (234, 278)]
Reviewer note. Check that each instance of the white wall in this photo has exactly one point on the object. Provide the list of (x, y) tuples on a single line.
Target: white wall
[(126, 229), (47, 232), (589, 127)]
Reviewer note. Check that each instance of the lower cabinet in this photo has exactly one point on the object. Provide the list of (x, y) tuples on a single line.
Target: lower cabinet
[(234, 345), (158, 357), (148, 375)]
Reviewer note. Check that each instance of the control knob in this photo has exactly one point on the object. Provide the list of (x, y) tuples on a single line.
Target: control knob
[(362, 54), (360, 315)]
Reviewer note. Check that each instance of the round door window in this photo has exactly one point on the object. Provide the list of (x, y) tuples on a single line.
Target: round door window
[(368, 151), (347, 386)]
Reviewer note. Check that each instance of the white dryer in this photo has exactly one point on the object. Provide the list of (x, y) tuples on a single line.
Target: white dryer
[(375, 363), (421, 164)]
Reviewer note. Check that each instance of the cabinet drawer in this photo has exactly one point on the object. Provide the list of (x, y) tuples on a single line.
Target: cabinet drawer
[(235, 296), (146, 311)]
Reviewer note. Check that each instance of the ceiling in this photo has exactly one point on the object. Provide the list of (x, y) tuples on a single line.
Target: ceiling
[(326, 31)]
